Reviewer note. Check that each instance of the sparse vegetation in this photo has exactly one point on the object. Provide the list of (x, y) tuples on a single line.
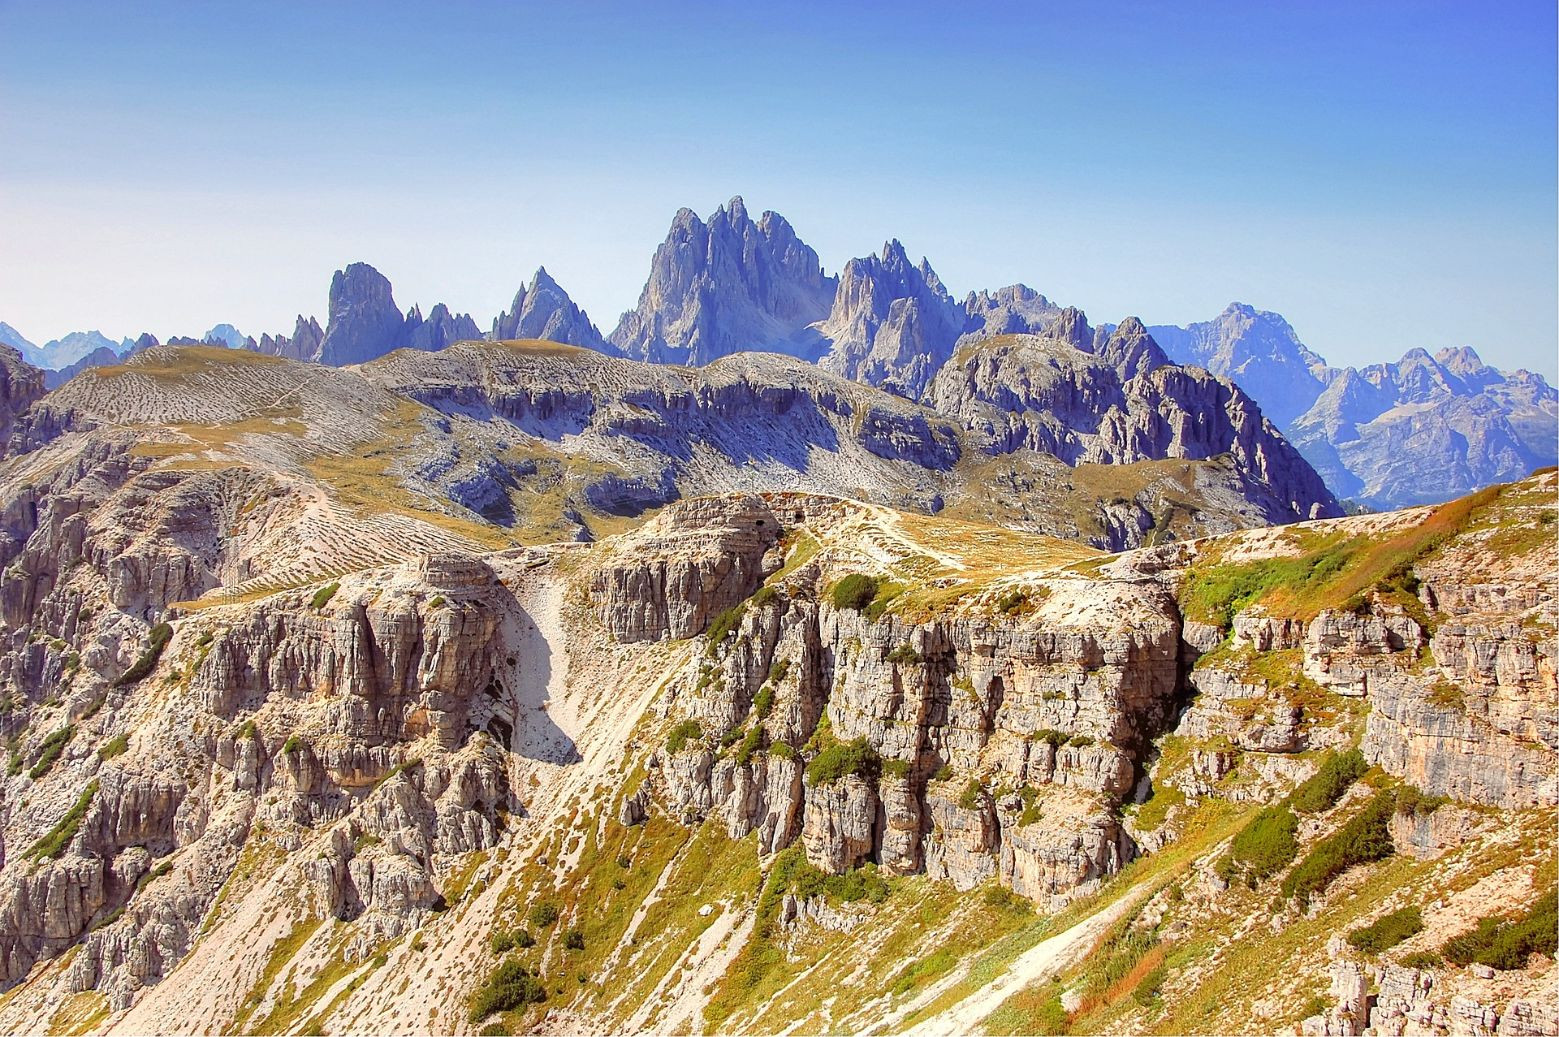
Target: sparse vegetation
[(322, 596), (505, 940), (50, 751), (543, 914), (115, 746), (905, 654), (156, 640)]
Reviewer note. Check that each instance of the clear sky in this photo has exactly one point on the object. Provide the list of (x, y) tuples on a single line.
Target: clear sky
[(1381, 173)]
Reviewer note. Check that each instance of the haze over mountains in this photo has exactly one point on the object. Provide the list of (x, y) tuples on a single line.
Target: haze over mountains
[(1424, 429)]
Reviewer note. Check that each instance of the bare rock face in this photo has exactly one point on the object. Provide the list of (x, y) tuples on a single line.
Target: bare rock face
[(975, 729), (439, 329), (1014, 310), (892, 325), (21, 385), (692, 562), (726, 285), (303, 344), (543, 310), (1256, 349), (364, 321)]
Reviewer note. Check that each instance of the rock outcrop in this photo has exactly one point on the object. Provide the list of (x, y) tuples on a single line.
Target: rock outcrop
[(723, 286), (892, 324), (542, 310), (21, 385)]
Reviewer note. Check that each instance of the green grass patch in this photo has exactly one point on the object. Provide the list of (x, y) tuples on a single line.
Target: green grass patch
[(322, 596), (115, 746), (1506, 943)]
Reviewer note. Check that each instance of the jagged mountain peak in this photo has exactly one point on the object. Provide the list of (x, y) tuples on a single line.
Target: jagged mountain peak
[(724, 286), (543, 310)]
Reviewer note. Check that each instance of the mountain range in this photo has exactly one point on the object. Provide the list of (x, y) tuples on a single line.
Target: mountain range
[(1421, 430)]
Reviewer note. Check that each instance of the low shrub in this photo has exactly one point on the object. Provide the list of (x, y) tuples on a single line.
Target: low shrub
[(510, 986), (1505, 944), (1365, 838), (293, 744), (1388, 930), (783, 750), (763, 702), (504, 940), (1264, 847), (55, 841), (1003, 899), (323, 595), (752, 741), (543, 914), (115, 746), (680, 735), (1322, 790), (574, 939), (969, 798), (839, 759), (1415, 803), (855, 592), (53, 746), (895, 768), (905, 654)]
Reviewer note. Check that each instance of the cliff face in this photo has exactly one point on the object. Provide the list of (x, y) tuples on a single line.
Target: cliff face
[(728, 285), (21, 385), (892, 325)]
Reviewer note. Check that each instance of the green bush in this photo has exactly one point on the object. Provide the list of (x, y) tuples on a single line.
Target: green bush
[(1506, 944), (1264, 847), (1388, 930), (969, 798), (543, 914), (504, 940), (53, 844), (895, 768), (680, 735), (855, 592), (1322, 790), (115, 746), (1030, 796), (1003, 899), (905, 654), (1415, 803), (843, 758), (783, 750), (323, 595), (156, 640), (293, 744), (779, 671), (1365, 838), (510, 986), (763, 702), (722, 625), (574, 939), (53, 746), (751, 743), (1422, 960)]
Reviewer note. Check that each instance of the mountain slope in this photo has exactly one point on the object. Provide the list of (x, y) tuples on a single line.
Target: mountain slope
[(854, 764), (1421, 430)]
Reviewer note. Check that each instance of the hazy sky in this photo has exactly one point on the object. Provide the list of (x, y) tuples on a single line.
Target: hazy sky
[(1381, 173)]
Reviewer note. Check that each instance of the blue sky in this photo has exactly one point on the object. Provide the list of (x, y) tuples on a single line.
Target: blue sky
[(1382, 174)]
